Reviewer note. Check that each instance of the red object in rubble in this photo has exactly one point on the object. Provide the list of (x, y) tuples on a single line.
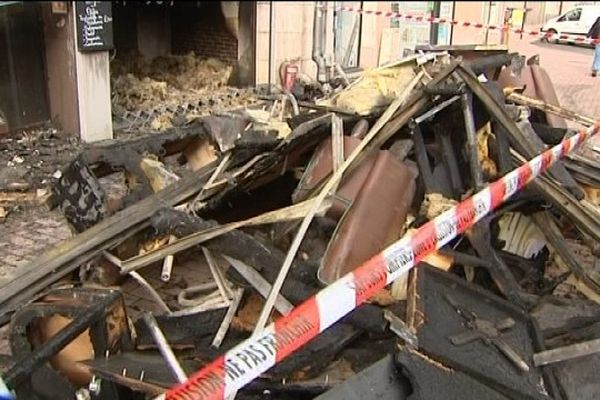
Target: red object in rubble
[(291, 72)]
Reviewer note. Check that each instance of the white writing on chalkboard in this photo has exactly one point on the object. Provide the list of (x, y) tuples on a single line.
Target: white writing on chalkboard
[(93, 23)]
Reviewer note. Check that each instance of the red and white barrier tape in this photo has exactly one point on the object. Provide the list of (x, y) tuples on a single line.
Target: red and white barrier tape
[(440, 20), (252, 357)]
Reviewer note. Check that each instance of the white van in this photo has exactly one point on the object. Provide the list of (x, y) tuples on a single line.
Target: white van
[(576, 21)]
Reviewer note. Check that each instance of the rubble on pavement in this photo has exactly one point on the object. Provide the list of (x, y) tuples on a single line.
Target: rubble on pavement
[(176, 269)]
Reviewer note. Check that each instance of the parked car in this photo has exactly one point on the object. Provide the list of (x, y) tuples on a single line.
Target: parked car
[(577, 21)]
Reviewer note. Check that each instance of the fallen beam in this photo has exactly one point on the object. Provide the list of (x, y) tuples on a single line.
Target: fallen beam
[(550, 108)]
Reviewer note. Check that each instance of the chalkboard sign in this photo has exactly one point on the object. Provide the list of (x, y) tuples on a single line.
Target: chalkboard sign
[(94, 25)]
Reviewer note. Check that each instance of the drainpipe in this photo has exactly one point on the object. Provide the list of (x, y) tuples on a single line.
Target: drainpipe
[(452, 25), (487, 31), (319, 41), (271, 45)]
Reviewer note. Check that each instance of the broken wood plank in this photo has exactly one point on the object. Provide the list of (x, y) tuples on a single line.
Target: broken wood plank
[(549, 108), (567, 352)]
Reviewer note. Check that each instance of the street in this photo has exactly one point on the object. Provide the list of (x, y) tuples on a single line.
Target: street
[(569, 67)]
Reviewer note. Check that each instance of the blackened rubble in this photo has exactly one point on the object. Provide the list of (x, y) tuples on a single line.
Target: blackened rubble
[(237, 185)]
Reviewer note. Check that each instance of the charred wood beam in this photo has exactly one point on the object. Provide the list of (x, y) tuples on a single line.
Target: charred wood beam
[(425, 172), (183, 330), (472, 150), (117, 153), (502, 148), (480, 237), (517, 138), (450, 161), (491, 62)]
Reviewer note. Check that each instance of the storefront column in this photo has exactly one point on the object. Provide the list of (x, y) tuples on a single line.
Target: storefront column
[(93, 94)]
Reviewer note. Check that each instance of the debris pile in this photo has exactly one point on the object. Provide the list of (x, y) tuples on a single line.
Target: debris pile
[(156, 91), (235, 220)]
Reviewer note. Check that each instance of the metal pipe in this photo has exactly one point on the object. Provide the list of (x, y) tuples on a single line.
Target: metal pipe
[(318, 34), (350, 45), (164, 348), (165, 274), (141, 281), (434, 27), (294, 102), (271, 40), (487, 31), (452, 25)]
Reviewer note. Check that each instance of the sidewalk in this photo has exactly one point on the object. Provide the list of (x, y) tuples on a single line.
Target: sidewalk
[(569, 68)]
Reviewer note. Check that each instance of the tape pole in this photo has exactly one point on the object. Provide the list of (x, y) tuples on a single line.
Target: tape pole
[(479, 25), (249, 359)]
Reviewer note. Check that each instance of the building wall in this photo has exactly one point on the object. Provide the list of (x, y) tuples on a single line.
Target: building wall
[(372, 32), (293, 30), (379, 41), (472, 12), (204, 31), (292, 27)]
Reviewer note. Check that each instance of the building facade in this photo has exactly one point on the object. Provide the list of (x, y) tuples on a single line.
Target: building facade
[(49, 76)]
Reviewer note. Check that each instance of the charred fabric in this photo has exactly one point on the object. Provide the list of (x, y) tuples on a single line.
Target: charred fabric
[(194, 253)]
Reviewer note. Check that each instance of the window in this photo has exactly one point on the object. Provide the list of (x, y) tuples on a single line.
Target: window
[(572, 15)]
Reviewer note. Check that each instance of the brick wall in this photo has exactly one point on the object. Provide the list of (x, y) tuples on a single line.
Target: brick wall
[(203, 31)]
